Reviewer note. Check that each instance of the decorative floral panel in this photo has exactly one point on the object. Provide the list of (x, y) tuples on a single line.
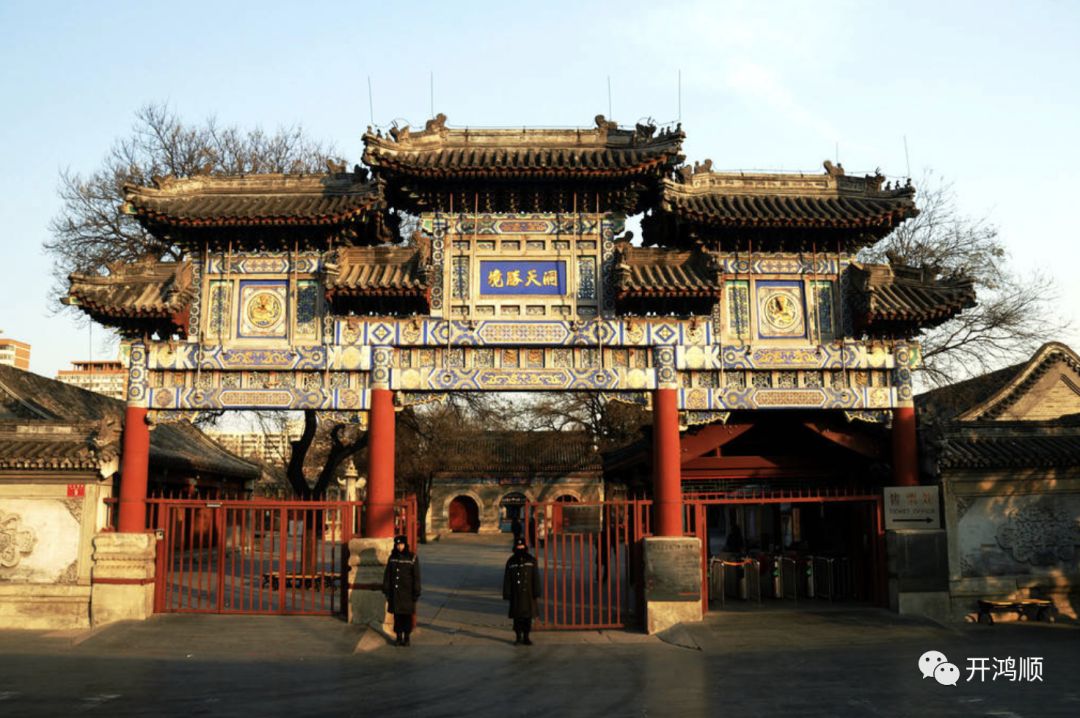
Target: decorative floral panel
[(586, 278), (307, 309), (738, 308)]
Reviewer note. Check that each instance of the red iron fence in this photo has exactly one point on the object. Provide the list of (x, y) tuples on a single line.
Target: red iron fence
[(255, 556)]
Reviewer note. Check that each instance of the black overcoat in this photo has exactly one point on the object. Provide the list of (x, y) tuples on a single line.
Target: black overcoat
[(521, 585), (401, 582)]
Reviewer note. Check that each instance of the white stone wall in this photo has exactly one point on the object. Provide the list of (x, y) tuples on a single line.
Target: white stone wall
[(45, 551), (1013, 536)]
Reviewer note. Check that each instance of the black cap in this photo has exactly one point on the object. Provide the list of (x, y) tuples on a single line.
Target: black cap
[(401, 539), (519, 542)]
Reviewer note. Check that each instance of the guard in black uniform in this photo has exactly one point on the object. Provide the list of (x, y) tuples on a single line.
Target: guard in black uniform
[(521, 587), (401, 586)]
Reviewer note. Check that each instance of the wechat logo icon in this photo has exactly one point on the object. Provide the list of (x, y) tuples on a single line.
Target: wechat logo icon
[(934, 664)]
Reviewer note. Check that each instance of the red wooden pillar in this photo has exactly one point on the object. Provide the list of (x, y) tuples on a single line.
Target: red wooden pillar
[(380, 486), (667, 470), (905, 451), (135, 456)]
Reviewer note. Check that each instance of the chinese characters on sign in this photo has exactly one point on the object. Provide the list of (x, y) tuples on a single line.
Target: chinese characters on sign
[(523, 277), (912, 507)]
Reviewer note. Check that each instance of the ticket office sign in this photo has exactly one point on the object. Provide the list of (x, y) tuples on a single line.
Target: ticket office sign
[(540, 277), (912, 507)]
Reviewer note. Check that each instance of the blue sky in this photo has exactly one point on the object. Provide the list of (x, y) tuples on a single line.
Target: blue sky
[(985, 93)]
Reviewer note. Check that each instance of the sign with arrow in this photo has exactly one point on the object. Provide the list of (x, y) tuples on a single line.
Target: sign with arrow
[(912, 507)]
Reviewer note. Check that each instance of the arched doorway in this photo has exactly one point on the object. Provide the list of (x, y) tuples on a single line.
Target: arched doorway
[(512, 512), (464, 515)]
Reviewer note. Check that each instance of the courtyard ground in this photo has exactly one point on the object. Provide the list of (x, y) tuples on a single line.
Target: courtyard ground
[(813, 660)]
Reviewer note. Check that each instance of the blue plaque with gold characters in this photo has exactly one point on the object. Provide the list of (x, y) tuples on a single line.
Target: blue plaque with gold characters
[(523, 277)]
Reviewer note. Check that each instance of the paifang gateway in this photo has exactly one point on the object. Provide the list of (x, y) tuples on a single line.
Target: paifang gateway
[(743, 295)]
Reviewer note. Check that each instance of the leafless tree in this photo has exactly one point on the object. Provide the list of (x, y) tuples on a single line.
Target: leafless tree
[(1015, 312), (610, 423), (92, 230), (431, 436)]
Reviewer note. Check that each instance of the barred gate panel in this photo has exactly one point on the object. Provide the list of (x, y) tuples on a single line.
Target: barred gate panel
[(258, 557), (590, 562)]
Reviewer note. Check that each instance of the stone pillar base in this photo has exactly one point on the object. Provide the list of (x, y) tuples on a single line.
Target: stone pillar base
[(662, 615), (672, 582), (367, 562), (931, 604), (122, 579)]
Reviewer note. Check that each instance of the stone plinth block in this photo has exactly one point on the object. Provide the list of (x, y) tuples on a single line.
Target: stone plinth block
[(122, 584), (41, 607), (672, 582), (367, 562)]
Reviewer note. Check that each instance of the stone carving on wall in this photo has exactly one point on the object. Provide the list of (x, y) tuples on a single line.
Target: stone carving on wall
[(15, 541), (70, 574), (74, 507), (963, 503), (1040, 534)]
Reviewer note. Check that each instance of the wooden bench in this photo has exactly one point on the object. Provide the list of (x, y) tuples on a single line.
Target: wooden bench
[(1031, 609), (324, 579)]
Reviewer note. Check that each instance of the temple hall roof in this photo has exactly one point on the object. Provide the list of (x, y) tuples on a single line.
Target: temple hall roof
[(605, 150), (894, 299), (46, 424), (522, 452), (1025, 416), (1011, 444), (146, 293), (992, 395)]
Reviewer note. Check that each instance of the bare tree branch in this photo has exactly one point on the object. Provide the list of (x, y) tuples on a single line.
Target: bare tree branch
[(91, 230), (1015, 313)]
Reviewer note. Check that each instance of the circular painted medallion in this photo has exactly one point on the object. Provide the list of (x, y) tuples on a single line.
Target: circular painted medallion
[(264, 310), (780, 311)]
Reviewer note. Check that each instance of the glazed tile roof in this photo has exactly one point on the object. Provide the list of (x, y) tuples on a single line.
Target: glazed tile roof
[(1011, 444), (379, 271), (146, 288), (746, 200), (262, 199), (989, 395), (891, 297), (648, 271), (52, 445), (523, 452), (605, 150), (48, 424)]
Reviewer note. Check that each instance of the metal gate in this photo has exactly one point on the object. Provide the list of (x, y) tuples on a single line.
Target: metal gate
[(251, 556), (590, 557)]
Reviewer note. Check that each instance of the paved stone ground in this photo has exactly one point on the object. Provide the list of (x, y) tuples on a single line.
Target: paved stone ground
[(816, 660)]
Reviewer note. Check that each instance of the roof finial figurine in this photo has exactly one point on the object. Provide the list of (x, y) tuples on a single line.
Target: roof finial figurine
[(602, 123), (436, 124), (832, 170)]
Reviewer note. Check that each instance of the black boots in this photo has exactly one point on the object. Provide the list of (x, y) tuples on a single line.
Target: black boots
[(402, 639), (526, 640)]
